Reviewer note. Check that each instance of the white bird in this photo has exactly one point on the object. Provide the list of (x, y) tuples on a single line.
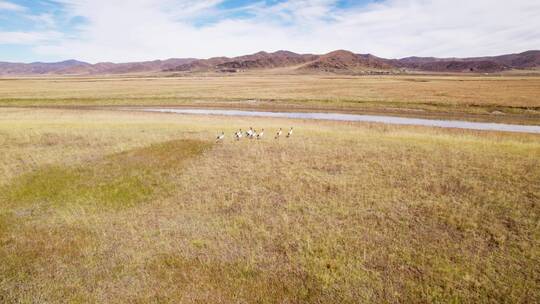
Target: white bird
[(278, 134), (260, 134), (239, 134), (249, 132), (253, 134), (290, 132), (220, 136)]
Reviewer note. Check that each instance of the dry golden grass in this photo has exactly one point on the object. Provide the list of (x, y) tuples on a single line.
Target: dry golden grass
[(449, 94), (340, 212)]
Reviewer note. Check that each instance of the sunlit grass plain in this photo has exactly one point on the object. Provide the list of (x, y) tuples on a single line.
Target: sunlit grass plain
[(131, 207), (421, 94)]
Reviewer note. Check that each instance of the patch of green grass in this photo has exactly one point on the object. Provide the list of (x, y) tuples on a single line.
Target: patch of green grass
[(117, 181)]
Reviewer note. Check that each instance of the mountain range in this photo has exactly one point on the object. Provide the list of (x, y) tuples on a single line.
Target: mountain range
[(341, 61)]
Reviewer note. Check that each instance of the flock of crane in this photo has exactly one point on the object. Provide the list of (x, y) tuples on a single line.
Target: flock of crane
[(252, 133)]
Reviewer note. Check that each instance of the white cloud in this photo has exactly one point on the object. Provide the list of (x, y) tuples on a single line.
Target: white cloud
[(8, 6), (29, 38), (144, 29), (42, 20)]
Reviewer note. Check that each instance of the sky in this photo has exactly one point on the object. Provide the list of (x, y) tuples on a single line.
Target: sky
[(138, 30)]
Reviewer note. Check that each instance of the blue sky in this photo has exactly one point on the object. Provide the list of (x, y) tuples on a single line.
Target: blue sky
[(134, 30)]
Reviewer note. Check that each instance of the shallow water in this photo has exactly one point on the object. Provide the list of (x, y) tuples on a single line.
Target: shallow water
[(357, 117)]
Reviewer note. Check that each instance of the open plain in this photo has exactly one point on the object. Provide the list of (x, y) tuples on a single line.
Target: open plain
[(102, 205), (494, 98)]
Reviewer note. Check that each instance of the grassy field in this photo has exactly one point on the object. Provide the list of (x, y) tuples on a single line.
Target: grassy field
[(129, 207), (510, 95)]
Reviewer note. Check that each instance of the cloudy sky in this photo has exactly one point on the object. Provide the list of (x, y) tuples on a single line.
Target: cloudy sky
[(135, 30)]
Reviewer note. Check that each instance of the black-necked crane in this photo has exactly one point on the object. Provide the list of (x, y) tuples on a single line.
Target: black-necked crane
[(290, 132), (238, 134), (249, 132), (278, 134), (220, 137)]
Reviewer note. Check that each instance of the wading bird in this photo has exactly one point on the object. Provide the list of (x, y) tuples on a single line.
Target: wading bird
[(220, 136), (290, 132), (260, 134), (249, 132), (238, 134), (278, 134)]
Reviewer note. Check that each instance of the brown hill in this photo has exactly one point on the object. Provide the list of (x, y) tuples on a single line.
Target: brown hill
[(525, 60), (337, 61), (199, 65), (260, 60), (483, 66), (345, 61), (263, 60), (125, 68), (38, 68), (74, 67), (334, 62), (451, 65)]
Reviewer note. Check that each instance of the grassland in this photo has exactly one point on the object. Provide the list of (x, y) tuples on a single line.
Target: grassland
[(515, 96), (127, 207)]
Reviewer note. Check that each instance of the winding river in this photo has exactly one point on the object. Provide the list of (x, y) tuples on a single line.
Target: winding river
[(359, 117)]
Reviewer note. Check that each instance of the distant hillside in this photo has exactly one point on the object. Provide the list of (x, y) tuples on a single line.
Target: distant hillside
[(345, 61), (261, 60), (525, 60), (37, 68), (199, 65), (74, 67), (341, 61), (451, 65), (125, 68)]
